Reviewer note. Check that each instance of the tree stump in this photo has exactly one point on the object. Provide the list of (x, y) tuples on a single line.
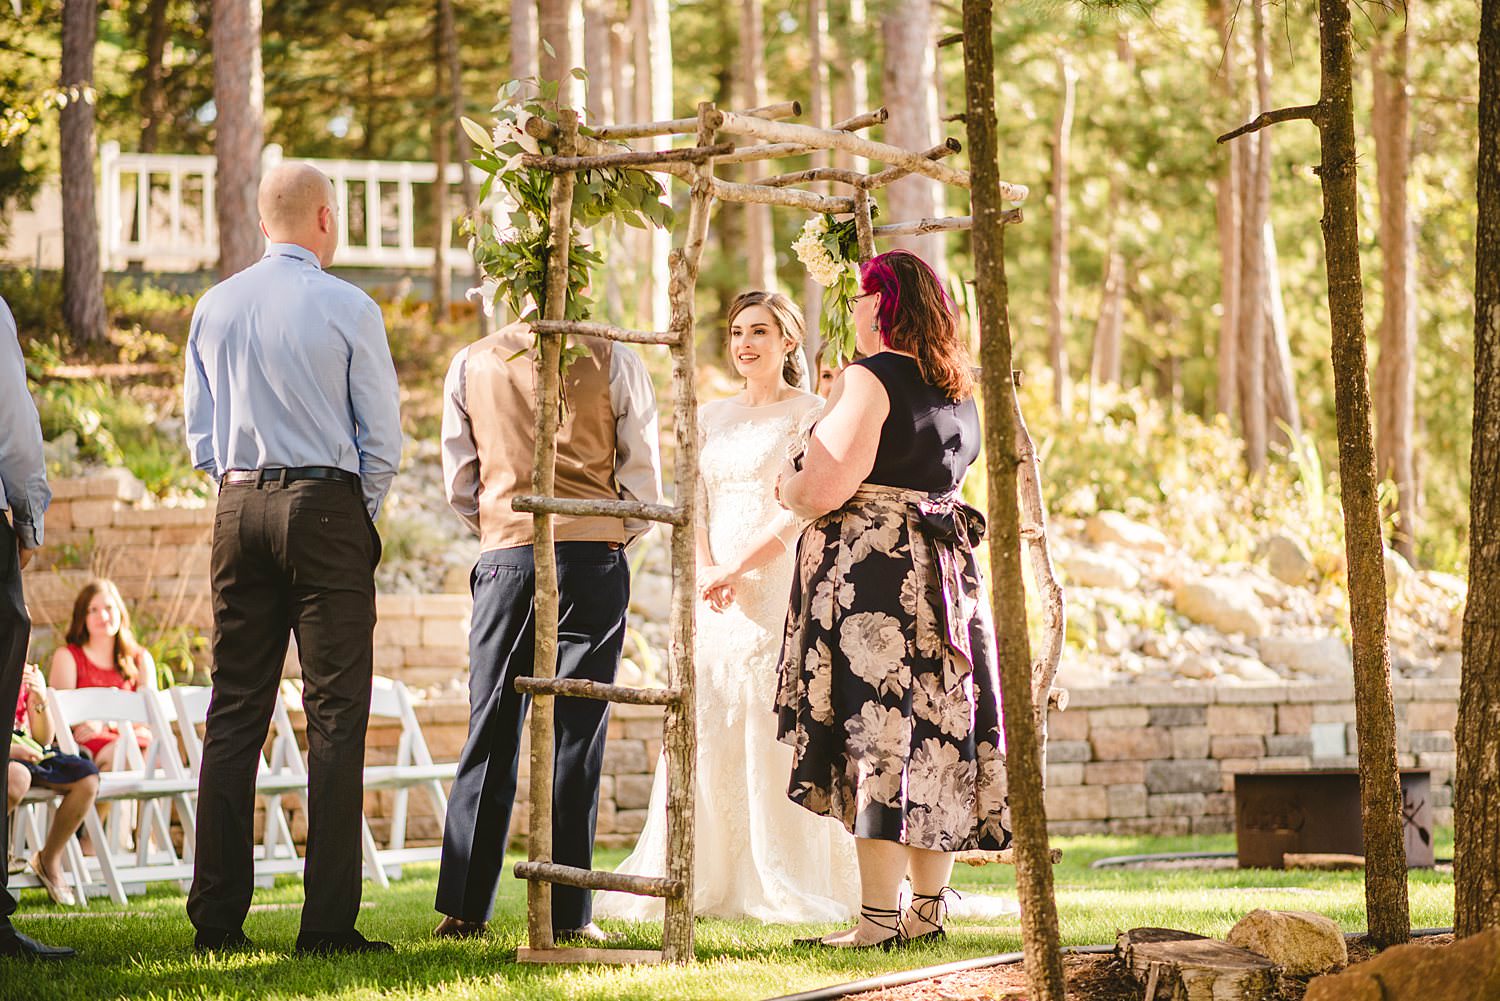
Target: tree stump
[(1180, 966)]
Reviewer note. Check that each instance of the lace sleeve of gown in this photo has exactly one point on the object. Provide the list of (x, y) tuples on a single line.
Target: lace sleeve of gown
[(787, 526)]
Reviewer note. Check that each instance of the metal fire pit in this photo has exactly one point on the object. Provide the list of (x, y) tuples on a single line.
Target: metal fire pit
[(1318, 811)]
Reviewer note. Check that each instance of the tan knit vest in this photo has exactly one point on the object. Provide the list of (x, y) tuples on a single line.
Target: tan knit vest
[(498, 392)]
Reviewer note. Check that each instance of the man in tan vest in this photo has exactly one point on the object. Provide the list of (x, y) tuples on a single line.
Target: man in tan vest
[(606, 449)]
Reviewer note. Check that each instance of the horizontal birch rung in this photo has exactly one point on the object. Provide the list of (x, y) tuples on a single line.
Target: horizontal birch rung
[(772, 151), (917, 227), (637, 158), (582, 688), (795, 198), (593, 879), (582, 508), (678, 126), (895, 156), (609, 332), (1005, 856), (854, 178)]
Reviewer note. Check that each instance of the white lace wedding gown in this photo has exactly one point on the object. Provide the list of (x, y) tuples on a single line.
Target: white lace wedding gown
[(757, 854)]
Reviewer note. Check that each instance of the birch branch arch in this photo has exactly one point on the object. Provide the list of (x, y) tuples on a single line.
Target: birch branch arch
[(771, 139)]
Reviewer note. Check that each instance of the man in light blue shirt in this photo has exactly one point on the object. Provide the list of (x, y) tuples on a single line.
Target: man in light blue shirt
[(292, 405), (23, 497)]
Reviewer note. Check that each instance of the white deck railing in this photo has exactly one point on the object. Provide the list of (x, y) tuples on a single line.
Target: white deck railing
[(158, 209)]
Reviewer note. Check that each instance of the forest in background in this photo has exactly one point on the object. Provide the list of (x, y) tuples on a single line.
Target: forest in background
[(1141, 311)]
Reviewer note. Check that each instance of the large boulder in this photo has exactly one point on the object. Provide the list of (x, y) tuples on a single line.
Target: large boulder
[(1467, 970), (1288, 561), (1114, 527), (1225, 605), (1087, 568), (1300, 942), (1321, 656), (1398, 574)]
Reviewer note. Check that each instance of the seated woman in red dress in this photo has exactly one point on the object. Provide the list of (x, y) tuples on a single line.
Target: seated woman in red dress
[(101, 652)]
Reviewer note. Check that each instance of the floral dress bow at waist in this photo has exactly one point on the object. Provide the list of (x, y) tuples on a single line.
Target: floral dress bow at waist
[(943, 530)]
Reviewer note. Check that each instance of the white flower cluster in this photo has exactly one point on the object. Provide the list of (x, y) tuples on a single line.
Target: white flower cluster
[(814, 256)]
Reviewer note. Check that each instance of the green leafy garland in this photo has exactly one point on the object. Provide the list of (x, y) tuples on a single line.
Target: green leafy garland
[(828, 248), (514, 261)]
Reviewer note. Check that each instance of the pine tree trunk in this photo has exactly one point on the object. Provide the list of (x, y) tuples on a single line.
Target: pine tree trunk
[(1023, 766), (523, 39), (851, 88), (653, 102), (599, 99), (154, 75), (83, 281), (906, 90), (239, 98), (441, 219), (1476, 806), (462, 147), (560, 30), (759, 252), (1057, 325), (1104, 362), (1375, 718), (1252, 312), (1282, 408), (817, 116), (1227, 207), (1395, 368)]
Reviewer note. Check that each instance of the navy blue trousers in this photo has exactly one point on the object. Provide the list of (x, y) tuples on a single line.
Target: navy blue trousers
[(593, 593)]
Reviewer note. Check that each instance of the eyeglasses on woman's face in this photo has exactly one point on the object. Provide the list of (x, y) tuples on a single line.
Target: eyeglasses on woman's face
[(855, 299)]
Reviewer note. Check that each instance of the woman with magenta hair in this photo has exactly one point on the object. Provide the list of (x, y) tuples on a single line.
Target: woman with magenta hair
[(889, 693)]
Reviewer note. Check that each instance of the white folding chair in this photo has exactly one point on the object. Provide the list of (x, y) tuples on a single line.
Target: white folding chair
[(414, 768), (154, 777), (33, 819), (285, 748), (280, 776)]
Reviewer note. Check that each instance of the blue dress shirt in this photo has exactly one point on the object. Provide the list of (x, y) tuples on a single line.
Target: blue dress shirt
[(289, 366), (23, 471)]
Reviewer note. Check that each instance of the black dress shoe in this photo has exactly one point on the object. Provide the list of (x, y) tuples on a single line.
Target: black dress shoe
[(338, 943), (220, 940), (451, 927), (589, 934), (25, 947)]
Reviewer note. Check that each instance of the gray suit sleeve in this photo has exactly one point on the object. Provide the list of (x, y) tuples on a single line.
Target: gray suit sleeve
[(23, 468)]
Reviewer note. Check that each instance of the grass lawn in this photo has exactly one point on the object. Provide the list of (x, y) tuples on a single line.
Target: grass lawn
[(143, 952)]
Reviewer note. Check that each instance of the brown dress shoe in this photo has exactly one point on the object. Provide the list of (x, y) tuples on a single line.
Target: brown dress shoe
[(451, 927)]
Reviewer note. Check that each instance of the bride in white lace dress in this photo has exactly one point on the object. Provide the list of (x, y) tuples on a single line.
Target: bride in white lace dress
[(757, 854)]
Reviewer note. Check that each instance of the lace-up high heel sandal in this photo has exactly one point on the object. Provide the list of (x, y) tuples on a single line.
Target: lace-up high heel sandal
[(933, 910), (877, 916)]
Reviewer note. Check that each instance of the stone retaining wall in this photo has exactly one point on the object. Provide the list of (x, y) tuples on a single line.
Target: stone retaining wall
[(1161, 759), (1141, 759)]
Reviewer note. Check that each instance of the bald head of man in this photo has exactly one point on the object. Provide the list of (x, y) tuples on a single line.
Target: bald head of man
[(296, 205)]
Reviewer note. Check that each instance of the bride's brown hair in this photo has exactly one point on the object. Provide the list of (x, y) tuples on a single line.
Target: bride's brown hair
[(788, 318)]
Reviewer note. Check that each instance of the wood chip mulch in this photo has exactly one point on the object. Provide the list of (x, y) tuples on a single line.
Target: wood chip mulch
[(1089, 978)]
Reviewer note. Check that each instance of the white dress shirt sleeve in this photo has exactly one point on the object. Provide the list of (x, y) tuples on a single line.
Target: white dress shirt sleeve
[(460, 453), (637, 440), (198, 403)]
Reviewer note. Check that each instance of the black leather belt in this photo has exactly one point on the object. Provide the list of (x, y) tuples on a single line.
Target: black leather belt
[(287, 474)]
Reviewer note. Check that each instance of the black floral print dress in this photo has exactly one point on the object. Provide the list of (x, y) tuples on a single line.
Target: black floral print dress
[(888, 691)]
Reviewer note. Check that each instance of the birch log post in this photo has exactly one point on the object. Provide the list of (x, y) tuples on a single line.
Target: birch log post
[(543, 478), (1039, 930), (864, 233), (1054, 608), (681, 741)]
